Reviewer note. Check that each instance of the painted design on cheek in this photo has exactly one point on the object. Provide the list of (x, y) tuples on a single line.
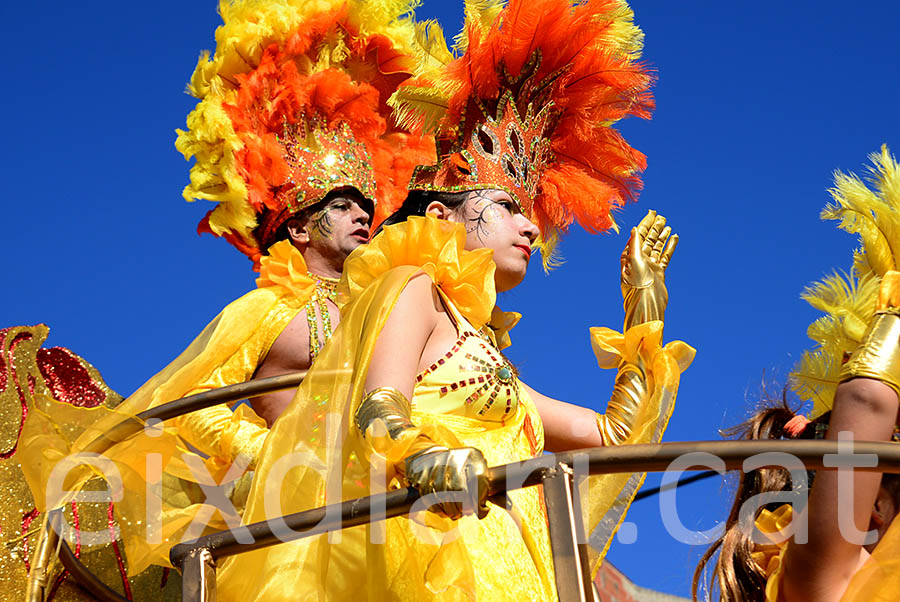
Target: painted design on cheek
[(321, 225), (484, 217)]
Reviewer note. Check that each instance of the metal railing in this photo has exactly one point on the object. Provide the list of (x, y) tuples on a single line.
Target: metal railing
[(197, 559)]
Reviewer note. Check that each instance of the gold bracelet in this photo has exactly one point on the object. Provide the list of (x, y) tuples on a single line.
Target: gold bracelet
[(878, 356), (388, 405)]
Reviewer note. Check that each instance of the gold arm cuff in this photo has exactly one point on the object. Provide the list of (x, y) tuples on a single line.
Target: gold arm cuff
[(878, 356), (388, 405)]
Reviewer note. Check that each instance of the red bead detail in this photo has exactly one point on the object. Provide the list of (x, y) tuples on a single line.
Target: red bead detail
[(111, 522), (11, 362), (68, 379)]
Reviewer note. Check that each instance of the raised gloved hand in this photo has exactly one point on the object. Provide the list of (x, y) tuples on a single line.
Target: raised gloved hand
[(430, 468), (644, 263)]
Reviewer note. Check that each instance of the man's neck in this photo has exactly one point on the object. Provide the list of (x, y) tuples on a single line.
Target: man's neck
[(320, 265)]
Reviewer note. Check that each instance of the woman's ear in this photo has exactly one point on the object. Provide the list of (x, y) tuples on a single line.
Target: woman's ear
[(298, 231), (438, 209)]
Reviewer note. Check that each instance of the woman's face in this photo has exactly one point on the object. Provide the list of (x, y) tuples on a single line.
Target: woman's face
[(493, 221)]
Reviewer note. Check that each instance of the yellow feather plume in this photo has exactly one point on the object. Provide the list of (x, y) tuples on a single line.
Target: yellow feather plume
[(872, 214), (849, 300), (480, 14)]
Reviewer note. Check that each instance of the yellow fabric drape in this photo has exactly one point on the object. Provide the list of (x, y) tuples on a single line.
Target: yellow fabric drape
[(606, 498), (226, 352)]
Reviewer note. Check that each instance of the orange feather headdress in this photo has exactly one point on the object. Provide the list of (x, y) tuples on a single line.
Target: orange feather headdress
[(526, 104), (293, 104)]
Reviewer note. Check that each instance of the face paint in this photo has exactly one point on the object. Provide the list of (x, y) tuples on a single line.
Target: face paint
[(484, 214), (321, 225)]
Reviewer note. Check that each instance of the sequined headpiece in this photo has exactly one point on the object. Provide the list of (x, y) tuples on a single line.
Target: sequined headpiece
[(526, 102), (320, 160), (293, 105), (502, 149)]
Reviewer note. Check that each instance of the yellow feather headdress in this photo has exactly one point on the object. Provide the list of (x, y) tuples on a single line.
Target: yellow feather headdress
[(292, 82), (848, 300)]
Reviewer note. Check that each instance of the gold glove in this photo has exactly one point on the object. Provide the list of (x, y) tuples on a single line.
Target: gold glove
[(430, 468), (878, 356), (628, 393), (455, 474), (644, 263), (388, 405)]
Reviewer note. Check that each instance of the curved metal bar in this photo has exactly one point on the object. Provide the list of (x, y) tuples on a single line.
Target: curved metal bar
[(133, 425), (602, 460), (85, 578)]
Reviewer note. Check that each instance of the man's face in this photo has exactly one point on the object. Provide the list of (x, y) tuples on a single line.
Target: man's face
[(339, 224)]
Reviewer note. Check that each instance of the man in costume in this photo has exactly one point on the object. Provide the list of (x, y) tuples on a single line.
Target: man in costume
[(292, 139), (413, 389)]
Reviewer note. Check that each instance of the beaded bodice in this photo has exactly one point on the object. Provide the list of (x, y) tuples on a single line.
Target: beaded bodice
[(472, 379)]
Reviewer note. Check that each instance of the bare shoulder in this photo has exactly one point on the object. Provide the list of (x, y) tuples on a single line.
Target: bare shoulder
[(419, 301)]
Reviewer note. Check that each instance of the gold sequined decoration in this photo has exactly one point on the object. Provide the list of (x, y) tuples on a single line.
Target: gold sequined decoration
[(30, 376), (326, 289)]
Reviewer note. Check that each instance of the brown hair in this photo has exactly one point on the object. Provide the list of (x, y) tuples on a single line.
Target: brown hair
[(417, 202), (736, 576)]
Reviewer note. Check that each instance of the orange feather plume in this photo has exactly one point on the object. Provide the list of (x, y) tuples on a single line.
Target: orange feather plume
[(579, 60)]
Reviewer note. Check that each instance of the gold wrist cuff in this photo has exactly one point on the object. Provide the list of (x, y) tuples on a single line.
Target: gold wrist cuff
[(388, 405), (878, 356), (643, 304)]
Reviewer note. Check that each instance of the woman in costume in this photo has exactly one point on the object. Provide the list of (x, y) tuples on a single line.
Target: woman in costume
[(855, 392), (413, 389), (293, 109)]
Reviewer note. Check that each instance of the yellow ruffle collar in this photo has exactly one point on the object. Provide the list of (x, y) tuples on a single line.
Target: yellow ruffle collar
[(284, 270), (438, 248)]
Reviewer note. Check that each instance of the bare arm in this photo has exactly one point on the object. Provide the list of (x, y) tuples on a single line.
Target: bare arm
[(417, 332), (566, 426), (821, 569), (401, 343)]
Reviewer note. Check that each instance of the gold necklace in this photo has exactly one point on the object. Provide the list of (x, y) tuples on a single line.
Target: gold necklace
[(326, 289)]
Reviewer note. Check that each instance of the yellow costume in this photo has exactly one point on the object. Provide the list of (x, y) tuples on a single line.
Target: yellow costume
[(852, 304), (470, 398), (292, 105), (315, 454)]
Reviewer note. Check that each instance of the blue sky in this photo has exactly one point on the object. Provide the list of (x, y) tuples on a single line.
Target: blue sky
[(757, 104)]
